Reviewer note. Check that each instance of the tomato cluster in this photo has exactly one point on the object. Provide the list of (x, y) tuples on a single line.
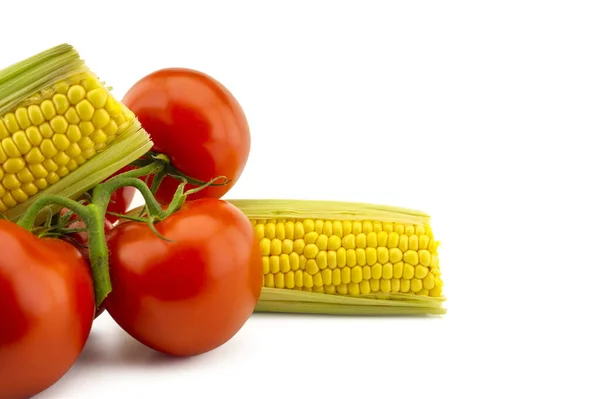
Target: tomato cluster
[(182, 285)]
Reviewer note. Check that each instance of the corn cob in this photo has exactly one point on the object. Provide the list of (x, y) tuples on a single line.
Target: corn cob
[(61, 130), (345, 258)]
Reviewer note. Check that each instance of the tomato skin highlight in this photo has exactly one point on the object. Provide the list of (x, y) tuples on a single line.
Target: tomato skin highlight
[(197, 122), (47, 309), (190, 296)]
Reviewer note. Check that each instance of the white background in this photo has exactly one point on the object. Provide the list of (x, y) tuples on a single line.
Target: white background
[(483, 114)]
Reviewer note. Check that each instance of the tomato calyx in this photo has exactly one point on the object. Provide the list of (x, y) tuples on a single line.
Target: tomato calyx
[(160, 166)]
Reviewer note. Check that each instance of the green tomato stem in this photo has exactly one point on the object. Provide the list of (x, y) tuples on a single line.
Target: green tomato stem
[(93, 217)]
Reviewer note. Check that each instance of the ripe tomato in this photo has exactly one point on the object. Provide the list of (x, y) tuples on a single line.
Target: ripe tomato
[(197, 122), (190, 296), (46, 307)]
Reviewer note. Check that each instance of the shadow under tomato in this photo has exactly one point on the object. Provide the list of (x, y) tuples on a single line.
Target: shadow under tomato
[(122, 350)]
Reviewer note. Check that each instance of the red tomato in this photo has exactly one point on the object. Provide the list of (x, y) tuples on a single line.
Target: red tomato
[(46, 307), (197, 122), (190, 296)]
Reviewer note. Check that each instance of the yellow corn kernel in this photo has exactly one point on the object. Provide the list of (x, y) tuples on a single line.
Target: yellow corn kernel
[(408, 271), (48, 109), (3, 156), (322, 242), (61, 87), (349, 241), (59, 124), (72, 165), (10, 182), (3, 130), (321, 259), (30, 189), (62, 171), (403, 244), (387, 271), (11, 124), (61, 102), (89, 153), (357, 274), (428, 282), (366, 272), (50, 165), (308, 280), (90, 83), (61, 159), (416, 285), (13, 165), (22, 118), (112, 107), (333, 243), (289, 226), (371, 255), (284, 263), (38, 170), (361, 257), (85, 110), (413, 242), (421, 272), (8, 200), (294, 261), (331, 259), (341, 260), (279, 227), (424, 257), (375, 286), (299, 246), (85, 143), (398, 269), (361, 240), (48, 148), (351, 257), (10, 148), (383, 254), (98, 97), (76, 93), (100, 118), (34, 135), (41, 183), (46, 130), (411, 257), (19, 195), (87, 128), (372, 239), (72, 117), (279, 280), (61, 142), (377, 271), (289, 280), (365, 287), (311, 251), (287, 246), (269, 281), (311, 267)]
